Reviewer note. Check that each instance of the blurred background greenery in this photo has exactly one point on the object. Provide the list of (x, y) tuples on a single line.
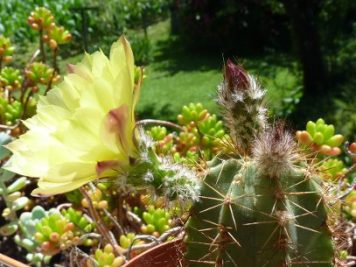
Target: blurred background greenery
[(303, 52)]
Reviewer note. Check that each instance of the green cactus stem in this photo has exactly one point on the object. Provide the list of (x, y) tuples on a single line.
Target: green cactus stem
[(253, 214)]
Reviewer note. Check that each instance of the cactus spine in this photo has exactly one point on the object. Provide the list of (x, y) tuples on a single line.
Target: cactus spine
[(264, 208)]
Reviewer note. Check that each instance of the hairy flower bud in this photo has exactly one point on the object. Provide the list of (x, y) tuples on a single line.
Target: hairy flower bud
[(235, 76), (241, 97)]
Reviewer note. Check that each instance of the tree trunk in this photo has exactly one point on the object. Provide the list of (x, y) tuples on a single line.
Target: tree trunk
[(303, 15)]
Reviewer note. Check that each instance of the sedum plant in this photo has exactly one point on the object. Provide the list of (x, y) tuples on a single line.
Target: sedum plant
[(42, 20), (6, 50), (262, 204), (200, 137), (10, 78), (15, 200), (157, 220), (321, 137), (106, 258), (332, 169), (26, 236), (18, 88)]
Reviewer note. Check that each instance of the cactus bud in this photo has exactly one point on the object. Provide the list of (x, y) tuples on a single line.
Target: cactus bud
[(235, 77), (241, 97)]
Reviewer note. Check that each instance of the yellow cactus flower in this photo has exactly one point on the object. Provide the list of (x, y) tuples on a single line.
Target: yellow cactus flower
[(84, 127)]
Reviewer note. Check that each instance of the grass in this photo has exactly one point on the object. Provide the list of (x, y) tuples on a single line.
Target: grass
[(177, 77)]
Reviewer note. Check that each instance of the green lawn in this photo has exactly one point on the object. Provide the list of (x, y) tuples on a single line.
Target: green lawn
[(177, 77)]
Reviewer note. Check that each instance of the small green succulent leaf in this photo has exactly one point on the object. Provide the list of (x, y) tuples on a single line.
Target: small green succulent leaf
[(19, 184), (20, 203), (9, 229), (6, 175)]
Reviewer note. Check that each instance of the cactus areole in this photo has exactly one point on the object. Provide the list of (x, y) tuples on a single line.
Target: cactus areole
[(262, 209)]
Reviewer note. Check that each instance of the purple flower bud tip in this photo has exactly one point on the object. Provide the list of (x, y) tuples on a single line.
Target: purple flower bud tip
[(235, 76)]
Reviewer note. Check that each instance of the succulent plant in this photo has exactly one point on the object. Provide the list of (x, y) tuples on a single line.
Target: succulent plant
[(263, 205), (190, 158), (77, 217), (213, 133), (321, 137), (157, 133), (10, 112), (57, 35), (188, 140), (127, 240), (55, 233), (106, 258), (97, 199), (26, 236), (192, 113), (332, 169), (202, 132), (41, 18), (163, 141), (352, 147), (157, 220), (40, 73), (350, 204), (10, 78), (200, 137), (14, 200), (6, 49)]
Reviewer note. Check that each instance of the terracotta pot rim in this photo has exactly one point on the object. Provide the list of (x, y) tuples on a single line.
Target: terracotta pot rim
[(178, 243), (8, 261)]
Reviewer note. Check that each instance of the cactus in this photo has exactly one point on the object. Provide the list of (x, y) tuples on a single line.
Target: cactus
[(265, 207)]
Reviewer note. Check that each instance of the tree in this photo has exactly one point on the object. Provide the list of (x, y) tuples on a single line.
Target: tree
[(304, 23)]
